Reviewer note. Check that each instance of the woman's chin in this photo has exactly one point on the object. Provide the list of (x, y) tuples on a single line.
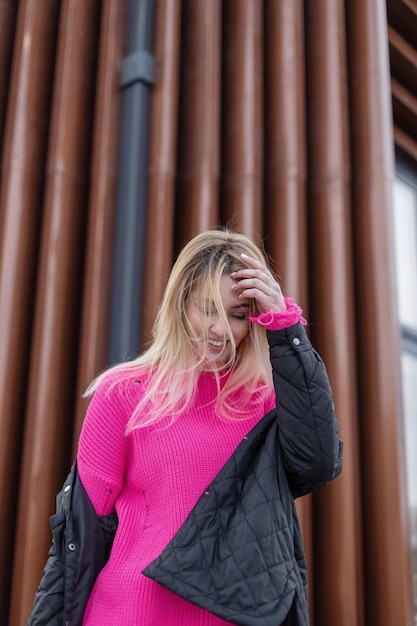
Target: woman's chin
[(217, 363)]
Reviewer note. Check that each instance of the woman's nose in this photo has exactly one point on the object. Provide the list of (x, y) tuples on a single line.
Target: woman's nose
[(217, 327)]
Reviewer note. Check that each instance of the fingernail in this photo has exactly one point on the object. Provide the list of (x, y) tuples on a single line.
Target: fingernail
[(233, 274), (245, 256)]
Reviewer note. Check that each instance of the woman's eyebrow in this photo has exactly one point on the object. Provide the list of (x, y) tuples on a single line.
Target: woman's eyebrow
[(243, 305)]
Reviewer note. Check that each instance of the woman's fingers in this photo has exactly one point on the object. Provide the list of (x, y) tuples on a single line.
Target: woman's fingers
[(257, 282), (255, 270)]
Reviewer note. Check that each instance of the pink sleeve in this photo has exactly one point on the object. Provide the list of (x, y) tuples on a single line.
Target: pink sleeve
[(277, 320), (102, 448)]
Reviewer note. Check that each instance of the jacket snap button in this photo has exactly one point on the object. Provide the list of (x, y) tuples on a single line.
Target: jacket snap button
[(71, 547), (207, 493), (296, 341), (67, 488)]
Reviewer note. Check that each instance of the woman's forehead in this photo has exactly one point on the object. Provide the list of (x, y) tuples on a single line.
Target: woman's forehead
[(219, 293)]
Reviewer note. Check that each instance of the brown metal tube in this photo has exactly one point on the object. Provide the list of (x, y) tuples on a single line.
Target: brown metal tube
[(162, 159), (199, 130), (285, 144), (99, 262), (23, 163), (285, 174), (47, 446), (7, 33), (242, 116), (388, 577), (338, 569)]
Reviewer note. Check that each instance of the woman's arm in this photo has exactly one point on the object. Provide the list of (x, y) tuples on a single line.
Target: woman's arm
[(308, 428), (103, 445)]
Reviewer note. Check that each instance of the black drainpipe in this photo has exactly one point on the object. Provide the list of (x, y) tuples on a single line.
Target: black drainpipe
[(128, 264)]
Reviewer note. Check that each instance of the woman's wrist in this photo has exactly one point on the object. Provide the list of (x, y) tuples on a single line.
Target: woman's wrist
[(277, 320)]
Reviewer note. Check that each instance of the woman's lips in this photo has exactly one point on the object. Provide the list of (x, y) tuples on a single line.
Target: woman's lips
[(216, 345)]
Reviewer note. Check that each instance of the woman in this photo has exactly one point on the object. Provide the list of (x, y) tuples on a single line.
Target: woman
[(165, 432)]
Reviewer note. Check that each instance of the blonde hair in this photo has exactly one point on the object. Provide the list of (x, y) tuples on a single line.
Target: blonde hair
[(170, 360)]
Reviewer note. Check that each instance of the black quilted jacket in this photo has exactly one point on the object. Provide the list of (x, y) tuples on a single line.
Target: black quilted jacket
[(239, 554)]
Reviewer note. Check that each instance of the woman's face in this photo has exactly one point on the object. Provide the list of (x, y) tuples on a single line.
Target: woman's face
[(207, 328)]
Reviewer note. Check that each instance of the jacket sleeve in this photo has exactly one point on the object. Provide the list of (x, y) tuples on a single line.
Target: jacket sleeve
[(48, 603), (80, 548), (308, 428)]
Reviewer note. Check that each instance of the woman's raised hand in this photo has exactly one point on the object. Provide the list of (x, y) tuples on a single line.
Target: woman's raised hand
[(257, 282)]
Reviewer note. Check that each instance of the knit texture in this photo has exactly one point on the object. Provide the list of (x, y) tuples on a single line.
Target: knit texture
[(277, 320), (152, 478)]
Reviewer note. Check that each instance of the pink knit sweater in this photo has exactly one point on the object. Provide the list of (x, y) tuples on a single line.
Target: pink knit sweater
[(152, 478)]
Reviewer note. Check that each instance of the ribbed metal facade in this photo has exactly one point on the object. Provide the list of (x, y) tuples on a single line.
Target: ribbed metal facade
[(281, 118)]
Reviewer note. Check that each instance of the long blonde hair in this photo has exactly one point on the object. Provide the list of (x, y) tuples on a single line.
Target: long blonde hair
[(169, 364)]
